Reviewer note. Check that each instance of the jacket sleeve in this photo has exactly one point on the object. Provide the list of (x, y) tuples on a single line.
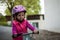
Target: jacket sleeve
[(14, 30), (31, 27)]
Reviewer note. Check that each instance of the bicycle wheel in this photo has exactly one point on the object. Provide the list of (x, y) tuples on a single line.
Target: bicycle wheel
[(26, 37)]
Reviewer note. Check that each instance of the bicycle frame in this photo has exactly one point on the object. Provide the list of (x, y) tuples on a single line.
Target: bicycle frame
[(26, 36)]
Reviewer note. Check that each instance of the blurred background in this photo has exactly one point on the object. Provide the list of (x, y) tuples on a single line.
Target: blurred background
[(32, 7)]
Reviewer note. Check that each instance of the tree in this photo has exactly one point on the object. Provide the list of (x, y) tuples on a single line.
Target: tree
[(32, 6)]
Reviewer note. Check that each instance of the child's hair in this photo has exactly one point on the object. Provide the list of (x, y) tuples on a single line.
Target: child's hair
[(15, 15)]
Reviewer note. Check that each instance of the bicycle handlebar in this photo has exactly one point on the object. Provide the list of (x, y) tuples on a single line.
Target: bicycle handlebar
[(24, 34), (29, 33)]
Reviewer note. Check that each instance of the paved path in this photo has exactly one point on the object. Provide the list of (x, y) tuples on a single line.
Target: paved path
[(5, 33)]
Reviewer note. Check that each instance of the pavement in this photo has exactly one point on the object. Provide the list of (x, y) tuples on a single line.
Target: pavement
[(5, 33)]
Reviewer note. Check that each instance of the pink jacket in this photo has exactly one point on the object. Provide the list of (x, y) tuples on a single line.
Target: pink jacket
[(18, 27)]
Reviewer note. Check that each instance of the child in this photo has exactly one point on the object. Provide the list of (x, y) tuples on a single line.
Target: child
[(19, 23)]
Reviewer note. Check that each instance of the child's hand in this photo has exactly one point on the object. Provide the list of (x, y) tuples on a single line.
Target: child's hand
[(36, 31)]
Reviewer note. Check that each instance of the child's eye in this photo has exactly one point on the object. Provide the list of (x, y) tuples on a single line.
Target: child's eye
[(19, 15)]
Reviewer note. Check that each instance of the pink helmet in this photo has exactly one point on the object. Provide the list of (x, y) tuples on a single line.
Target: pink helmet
[(18, 8)]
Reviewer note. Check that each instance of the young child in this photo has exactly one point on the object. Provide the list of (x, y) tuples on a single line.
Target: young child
[(19, 23)]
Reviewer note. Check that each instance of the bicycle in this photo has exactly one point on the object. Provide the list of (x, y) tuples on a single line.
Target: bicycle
[(26, 36)]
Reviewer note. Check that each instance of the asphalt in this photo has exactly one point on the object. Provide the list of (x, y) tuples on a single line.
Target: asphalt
[(5, 33)]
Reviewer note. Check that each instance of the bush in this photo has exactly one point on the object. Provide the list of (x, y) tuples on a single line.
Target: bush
[(4, 24), (3, 21)]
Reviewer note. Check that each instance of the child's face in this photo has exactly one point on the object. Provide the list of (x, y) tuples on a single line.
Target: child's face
[(20, 16)]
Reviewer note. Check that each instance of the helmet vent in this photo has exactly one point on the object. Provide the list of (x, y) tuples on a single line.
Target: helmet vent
[(15, 7)]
